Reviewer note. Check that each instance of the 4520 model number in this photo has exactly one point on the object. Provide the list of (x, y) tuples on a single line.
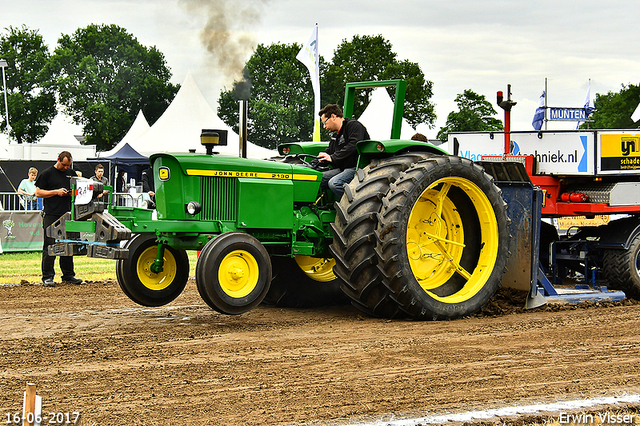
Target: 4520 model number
[(52, 418)]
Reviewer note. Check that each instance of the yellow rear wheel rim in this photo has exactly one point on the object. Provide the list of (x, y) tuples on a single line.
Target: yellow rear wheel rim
[(435, 239), (317, 268), (238, 274), (156, 281)]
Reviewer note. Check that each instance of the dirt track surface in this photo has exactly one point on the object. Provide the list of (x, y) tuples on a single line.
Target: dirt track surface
[(89, 349)]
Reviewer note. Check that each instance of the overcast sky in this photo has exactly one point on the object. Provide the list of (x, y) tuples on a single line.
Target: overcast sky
[(459, 44)]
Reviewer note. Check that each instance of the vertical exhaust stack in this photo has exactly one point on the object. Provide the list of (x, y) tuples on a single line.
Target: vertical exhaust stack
[(244, 109)]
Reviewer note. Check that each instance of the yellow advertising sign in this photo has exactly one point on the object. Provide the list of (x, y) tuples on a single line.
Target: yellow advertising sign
[(619, 151), (566, 222)]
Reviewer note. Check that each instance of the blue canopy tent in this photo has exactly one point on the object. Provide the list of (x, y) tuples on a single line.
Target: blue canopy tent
[(127, 159)]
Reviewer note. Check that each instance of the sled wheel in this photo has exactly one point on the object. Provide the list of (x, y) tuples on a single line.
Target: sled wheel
[(621, 268), (353, 234), (443, 239), (304, 282), (140, 283), (233, 273)]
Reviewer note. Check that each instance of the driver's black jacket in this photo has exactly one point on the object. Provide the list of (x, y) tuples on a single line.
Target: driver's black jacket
[(342, 147)]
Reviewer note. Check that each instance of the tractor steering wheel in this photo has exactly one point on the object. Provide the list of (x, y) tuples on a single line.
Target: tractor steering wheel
[(301, 158)]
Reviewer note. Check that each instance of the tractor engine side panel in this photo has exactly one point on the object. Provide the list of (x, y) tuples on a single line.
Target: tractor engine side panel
[(266, 204)]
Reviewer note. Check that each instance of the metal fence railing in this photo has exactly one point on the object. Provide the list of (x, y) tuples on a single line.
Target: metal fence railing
[(137, 199), (21, 223), (11, 201)]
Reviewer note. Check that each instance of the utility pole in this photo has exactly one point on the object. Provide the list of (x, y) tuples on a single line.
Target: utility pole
[(3, 65)]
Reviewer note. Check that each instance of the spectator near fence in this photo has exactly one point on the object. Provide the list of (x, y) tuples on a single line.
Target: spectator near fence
[(100, 177), (148, 185), (120, 187), (54, 185), (27, 189)]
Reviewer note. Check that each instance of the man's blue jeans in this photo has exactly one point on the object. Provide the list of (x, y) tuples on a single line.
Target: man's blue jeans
[(336, 179)]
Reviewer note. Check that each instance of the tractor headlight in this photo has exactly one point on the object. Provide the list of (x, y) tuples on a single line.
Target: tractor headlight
[(380, 147), (286, 150), (193, 207)]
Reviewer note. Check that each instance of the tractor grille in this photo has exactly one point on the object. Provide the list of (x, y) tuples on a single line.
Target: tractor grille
[(219, 199)]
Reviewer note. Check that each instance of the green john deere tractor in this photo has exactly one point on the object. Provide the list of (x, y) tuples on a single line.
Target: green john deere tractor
[(418, 233)]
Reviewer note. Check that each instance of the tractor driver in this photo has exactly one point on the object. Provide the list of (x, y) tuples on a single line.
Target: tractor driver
[(341, 152)]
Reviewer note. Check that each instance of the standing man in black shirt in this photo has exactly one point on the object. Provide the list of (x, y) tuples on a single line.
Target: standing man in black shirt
[(341, 153), (54, 186)]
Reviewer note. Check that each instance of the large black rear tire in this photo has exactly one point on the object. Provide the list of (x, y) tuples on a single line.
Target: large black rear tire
[(621, 268), (443, 239), (353, 234)]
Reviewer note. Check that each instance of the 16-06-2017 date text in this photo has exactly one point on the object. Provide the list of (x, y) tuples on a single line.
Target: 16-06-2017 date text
[(51, 418)]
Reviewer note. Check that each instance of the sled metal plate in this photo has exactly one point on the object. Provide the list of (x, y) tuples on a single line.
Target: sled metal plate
[(573, 297), (523, 213)]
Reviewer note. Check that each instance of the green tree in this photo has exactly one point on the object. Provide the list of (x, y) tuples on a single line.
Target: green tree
[(614, 110), (279, 93), (105, 76), (366, 58), (30, 96), (475, 113)]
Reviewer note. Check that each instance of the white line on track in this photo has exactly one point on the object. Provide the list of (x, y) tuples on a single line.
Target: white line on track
[(506, 411)]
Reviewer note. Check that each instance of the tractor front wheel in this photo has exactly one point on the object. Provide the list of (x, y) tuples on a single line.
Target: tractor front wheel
[(137, 279), (233, 273)]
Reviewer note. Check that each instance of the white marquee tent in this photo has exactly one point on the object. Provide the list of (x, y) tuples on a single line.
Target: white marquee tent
[(378, 116), (137, 129), (59, 133), (179, 128)]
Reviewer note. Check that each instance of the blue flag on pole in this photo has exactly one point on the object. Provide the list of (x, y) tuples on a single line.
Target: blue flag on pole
[(538, 116), (588, 109)]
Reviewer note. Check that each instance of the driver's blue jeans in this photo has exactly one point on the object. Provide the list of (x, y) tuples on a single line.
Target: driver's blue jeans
[(336, 179)]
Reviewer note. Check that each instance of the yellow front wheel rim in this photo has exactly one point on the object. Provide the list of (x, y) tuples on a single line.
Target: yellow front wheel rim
[(436, 239), (156, 281), (238, 274), (317, 268)]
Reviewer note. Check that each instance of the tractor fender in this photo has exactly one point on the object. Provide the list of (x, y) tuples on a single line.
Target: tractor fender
[(396, 146), (370, 150)]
